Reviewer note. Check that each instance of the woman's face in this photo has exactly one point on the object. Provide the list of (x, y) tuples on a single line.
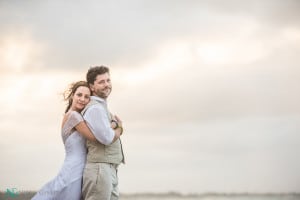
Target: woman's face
[(81, 97)]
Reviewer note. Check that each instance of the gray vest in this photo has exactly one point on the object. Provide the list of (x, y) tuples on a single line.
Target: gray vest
[(98, 152)]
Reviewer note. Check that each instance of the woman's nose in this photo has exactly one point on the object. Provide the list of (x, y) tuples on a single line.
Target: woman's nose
[(81, 98)]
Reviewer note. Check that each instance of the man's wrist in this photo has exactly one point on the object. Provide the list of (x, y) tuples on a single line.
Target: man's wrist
[(116, 123), (117, 126)]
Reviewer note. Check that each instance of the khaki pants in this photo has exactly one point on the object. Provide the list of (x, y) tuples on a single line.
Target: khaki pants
[(100, 181)]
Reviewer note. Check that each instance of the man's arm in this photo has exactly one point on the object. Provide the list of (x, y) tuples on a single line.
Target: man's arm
[(99, 123)]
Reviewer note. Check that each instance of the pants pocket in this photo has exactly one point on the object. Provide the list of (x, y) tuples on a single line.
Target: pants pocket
[(90, 179)]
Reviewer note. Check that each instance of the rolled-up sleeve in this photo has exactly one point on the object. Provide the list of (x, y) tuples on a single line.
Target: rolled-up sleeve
[(98, 121)]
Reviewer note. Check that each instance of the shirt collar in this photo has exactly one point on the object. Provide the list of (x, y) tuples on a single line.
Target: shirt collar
[(96, 98)]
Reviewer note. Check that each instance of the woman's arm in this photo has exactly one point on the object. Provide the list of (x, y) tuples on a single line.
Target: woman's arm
[(85, 131)]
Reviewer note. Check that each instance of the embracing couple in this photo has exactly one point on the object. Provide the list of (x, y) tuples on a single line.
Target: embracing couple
[(91, 136)]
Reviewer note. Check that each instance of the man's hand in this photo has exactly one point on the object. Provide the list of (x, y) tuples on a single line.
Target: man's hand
[(118, 120), (117, 125)]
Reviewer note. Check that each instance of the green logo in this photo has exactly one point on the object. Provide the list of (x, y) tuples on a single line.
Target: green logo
[(11, 192)]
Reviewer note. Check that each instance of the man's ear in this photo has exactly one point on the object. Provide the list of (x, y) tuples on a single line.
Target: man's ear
[(91, 87)]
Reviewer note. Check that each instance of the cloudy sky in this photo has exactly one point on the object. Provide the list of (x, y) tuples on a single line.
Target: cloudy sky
[(209, 91)]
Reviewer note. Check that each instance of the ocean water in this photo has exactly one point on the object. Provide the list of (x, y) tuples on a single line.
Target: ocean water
[(175, 196)]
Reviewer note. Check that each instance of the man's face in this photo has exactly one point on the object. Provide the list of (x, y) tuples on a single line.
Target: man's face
[(102, 86)]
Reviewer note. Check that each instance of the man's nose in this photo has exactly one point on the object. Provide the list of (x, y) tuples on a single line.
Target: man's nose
[(106, 83)]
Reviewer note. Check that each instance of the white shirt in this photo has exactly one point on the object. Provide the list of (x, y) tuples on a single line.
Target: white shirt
[(98, 120)]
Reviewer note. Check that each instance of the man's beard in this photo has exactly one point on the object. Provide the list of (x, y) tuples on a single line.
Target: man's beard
[(102, 94)]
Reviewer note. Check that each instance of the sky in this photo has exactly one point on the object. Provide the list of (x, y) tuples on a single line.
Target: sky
[(208, 91)]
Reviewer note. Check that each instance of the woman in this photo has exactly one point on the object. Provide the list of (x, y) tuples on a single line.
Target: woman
[(67, 184)]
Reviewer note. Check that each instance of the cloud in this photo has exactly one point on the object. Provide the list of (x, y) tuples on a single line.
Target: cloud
[(81, 34), (252, 151), (181, 86)]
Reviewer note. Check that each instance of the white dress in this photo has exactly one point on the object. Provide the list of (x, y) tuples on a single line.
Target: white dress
[(67, 184)]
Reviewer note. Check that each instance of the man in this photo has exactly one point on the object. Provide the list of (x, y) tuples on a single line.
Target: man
[(100, 180)]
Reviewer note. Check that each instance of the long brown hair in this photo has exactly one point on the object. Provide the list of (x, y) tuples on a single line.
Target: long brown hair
[(71, 91)]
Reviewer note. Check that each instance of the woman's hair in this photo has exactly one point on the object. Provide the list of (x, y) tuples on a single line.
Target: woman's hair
[(71, 91)]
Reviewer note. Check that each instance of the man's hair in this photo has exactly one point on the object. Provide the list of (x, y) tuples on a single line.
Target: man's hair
[(93, 72)]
